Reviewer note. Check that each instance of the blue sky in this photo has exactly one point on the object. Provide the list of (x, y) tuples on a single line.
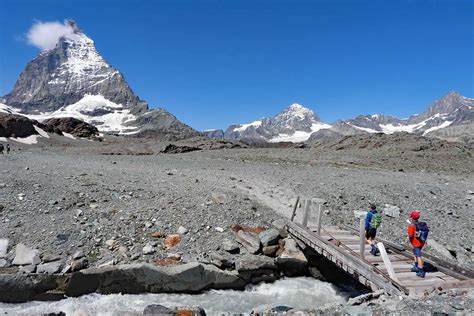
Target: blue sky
[(214, 63)]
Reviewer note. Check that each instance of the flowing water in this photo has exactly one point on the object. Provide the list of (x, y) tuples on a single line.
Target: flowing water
[(299, 293)]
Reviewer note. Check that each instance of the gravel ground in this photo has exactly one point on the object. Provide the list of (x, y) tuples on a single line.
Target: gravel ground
[(77, 195)]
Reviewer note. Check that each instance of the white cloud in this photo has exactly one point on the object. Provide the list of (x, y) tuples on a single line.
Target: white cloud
[(45, 35)]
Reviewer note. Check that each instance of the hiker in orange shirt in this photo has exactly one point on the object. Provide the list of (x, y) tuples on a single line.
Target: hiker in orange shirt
[(417, 234)]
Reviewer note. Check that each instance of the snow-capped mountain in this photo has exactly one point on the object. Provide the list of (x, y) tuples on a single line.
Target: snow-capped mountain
[(74, 80), (298, 124), (453, 109), (294, 124)]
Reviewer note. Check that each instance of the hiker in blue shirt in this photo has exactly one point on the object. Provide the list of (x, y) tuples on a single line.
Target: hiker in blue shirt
[(372, 222)]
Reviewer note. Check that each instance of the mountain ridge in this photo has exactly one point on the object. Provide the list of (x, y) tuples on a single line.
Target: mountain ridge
[(451, 110), (74, 80)]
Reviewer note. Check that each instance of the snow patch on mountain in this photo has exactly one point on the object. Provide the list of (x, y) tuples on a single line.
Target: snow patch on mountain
[(243, 127), (106, 115), (365, 129), (299, 136), (434, 128)]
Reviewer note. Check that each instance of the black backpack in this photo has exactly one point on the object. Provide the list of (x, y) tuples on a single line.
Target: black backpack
[(422, 231)]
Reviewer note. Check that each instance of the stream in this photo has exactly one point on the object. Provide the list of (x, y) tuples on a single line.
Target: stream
[(299, 293)]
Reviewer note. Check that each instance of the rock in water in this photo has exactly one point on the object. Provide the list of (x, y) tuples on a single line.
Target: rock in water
[(133, 278), (158, 310), (249, 241), (256, 268), (26, 256)]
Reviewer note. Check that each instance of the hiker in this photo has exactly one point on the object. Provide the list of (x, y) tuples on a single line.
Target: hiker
[(1, 149), (8, 148), (417, 234), (372, 222)]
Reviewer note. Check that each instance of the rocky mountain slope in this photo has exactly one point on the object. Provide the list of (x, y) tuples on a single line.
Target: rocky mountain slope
[(294, 124), (443, 119), (74, 80)]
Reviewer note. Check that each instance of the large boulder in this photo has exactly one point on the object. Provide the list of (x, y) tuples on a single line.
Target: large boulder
[(256, 269), (26, 256), (178, 149), (292, 261), (72, 126), (19, 287), (12, 125), (192, 277), (249, 241), (439, 249)]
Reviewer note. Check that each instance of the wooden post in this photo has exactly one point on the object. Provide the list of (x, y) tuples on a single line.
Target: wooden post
[(307, 210), (386, 261), (319, 214), (294, 208), (362, 237)]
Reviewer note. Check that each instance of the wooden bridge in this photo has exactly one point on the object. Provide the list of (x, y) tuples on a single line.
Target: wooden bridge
[(390, 271)]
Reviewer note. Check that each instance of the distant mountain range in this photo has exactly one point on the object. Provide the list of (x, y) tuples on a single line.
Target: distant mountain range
[(452, 113), (74, 80)]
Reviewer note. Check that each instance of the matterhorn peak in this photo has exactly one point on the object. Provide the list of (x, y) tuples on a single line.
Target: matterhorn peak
[(71, 23)]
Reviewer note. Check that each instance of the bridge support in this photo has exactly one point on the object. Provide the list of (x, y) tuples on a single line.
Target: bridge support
[(362, 238), (307, 211)]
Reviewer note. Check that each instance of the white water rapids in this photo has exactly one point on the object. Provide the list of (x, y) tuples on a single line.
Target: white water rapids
[(299, 293)]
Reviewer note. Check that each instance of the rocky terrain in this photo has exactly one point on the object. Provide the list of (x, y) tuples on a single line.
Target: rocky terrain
[(88, 204)]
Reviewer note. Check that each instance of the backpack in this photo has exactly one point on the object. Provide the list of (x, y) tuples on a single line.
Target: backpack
[(376, 220), (422, 231)]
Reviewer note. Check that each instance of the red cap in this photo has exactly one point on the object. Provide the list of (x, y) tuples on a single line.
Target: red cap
[(415, 215)]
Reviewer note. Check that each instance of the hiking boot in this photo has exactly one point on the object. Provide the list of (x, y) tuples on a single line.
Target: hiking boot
[(421, 273), (415, 268)]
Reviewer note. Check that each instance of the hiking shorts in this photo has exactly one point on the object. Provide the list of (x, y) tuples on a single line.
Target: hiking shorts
[(370, 233), (417, 251)]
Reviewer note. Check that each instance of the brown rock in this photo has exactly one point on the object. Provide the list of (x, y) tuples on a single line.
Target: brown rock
[(157, 235), (165, 262), (172, 241)]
